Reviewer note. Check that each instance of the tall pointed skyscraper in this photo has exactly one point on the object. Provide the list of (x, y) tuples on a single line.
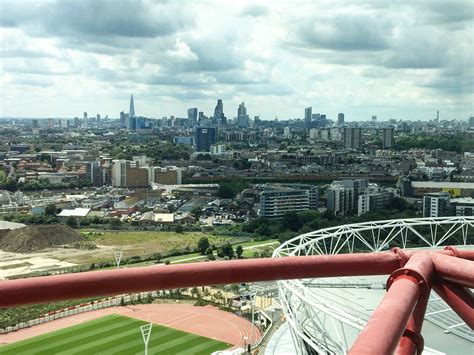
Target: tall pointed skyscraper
[(131, 111)]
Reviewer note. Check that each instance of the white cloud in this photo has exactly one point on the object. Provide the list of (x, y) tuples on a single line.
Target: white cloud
[(393, 59)]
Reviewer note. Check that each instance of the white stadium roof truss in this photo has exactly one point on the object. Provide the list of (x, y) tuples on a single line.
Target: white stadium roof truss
[(319, 324)]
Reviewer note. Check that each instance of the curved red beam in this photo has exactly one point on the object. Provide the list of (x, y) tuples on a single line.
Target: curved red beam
[(160, 277)]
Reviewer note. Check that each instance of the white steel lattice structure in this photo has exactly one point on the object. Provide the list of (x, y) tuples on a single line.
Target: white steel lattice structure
[(321, 325)]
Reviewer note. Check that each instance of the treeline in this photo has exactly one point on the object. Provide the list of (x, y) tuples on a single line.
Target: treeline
[(455, 143), (293, 224), (42, 184)]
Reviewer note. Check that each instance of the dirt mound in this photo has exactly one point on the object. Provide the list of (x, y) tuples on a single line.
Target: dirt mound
[(33, 238)]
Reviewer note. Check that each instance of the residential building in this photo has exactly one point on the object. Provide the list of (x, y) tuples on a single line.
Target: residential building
[(462, 206), (387, 138), (373, 201), (286, 133), (340, 200), (169, 175), (183, 140), (278, 199), (127, 173), (352, 138), (436, 204)]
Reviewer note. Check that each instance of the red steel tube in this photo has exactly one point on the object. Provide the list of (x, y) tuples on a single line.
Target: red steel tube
[(159, 277), (412, 340), (460, 299), (453, 269), (384, 329)]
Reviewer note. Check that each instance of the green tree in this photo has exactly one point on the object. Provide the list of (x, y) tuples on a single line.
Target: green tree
[(203, 245), (179, 229), (196, 212), (239, 251), (71, 222), (225, 190), (226, 250), (292, 221), (50, 210)]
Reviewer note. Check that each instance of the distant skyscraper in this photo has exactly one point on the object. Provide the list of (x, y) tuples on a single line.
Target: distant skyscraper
[(242, 117), (352, 138), (308, 111), (340, 119), (374, 119), (123, 120), (192, 115), (205, 137), (387, 138), (471, 122), (131, 111), (85, 116), (219, 112), (437, 116)]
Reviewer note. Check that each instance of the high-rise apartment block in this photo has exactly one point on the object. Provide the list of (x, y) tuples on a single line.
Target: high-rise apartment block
[(436, 204), (352, 138), (387, 138)]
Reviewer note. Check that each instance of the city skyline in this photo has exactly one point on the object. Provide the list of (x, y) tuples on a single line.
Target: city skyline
[(362, 59)]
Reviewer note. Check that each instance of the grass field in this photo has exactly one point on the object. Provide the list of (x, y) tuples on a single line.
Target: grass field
[(114, 334)]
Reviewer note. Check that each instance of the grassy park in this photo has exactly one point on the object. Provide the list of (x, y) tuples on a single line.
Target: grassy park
[(114, 334)]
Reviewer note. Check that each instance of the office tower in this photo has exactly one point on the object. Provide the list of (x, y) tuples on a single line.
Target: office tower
[(192, 116), (471, 122), (131, 123), (123, 120), (308, 115), (77, 123), (340, 119), (387, 138), (85, 116), (98, 118), (374, 119), (205, 137), (131, 111), (242, 117), (219, 117), (437, 116), (352, 138), (35, 123), (436, 204)]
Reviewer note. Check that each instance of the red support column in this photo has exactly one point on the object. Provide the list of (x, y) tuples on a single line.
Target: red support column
[(460, 299), (412, 341), (388, 322)]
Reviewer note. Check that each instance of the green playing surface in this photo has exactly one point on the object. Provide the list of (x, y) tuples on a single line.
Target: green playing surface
[(114, 334)]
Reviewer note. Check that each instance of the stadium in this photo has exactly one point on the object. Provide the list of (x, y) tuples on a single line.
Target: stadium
[(332, 285), (326, 315)]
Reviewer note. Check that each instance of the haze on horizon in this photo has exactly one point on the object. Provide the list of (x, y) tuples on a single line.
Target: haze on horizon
[(393, 59)]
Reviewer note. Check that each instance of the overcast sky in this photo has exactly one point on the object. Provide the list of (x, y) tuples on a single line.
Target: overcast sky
[(394, 59)]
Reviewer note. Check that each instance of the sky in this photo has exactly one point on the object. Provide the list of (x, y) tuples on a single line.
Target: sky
[(393, 59)]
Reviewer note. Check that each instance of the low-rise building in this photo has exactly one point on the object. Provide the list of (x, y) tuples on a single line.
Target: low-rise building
[(278, 199)]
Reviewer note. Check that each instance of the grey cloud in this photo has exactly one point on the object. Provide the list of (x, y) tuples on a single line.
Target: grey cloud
[(346, 33), (255, 11), (95, 20)]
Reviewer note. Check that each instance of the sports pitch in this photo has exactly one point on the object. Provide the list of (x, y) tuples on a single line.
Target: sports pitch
[(114, 334)]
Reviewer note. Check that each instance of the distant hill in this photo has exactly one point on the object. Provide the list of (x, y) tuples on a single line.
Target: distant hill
[(30, 239)]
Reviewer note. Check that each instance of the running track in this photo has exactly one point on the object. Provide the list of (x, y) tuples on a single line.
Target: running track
[(207, 321)]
